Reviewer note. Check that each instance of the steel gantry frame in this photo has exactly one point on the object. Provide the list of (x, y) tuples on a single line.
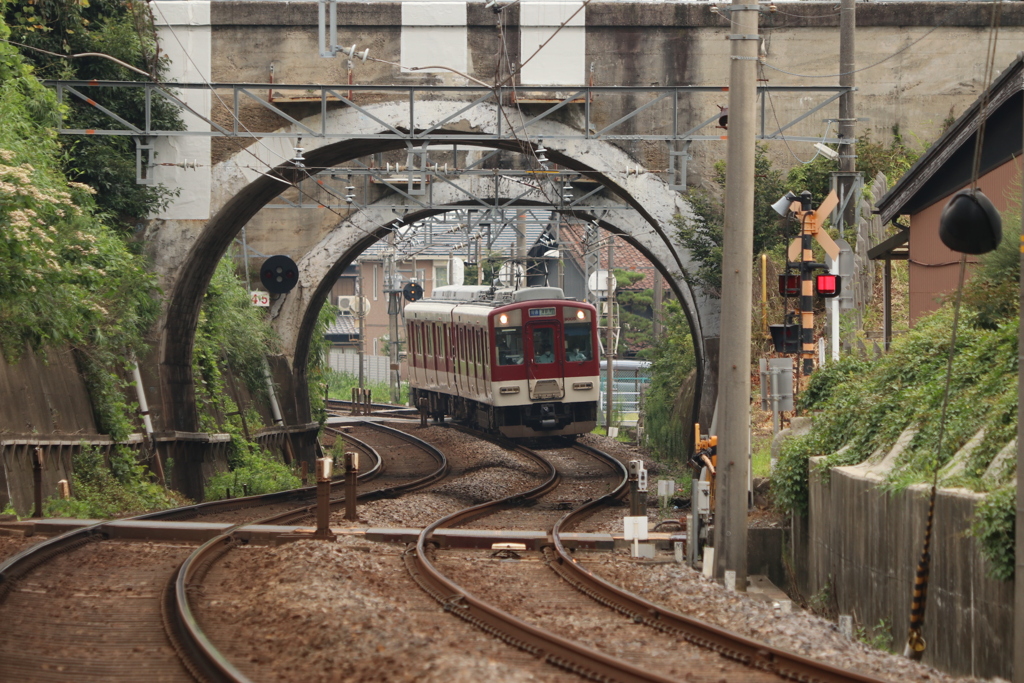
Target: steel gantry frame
[(557, 97), (670, 102)]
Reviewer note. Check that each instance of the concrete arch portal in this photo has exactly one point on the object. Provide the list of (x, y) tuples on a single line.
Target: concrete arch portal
[(246, 182)]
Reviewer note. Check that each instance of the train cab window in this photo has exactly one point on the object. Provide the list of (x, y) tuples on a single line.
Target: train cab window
[(509, 343), (543, 345), (578, 342)]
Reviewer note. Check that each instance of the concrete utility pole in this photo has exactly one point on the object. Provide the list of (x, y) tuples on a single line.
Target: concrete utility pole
[(847, 117), (737, 280), (362, 327), (393, 292), (1018, 595)]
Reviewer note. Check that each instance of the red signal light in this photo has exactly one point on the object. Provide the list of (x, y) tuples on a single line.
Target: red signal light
[(828, 285), (789, 284)]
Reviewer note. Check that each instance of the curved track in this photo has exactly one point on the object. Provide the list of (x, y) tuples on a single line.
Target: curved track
[(744, 659), (195, 646), (115, 623)]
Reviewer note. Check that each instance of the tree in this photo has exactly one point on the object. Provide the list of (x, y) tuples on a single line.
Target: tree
[(123, 30), (702, 235)]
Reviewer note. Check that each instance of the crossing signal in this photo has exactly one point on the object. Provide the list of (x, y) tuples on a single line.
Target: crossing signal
[(279, 274), (828, 285), (789, 284)]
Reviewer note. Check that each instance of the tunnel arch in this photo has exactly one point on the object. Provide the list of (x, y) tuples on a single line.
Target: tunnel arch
[(242, 186), (295, 317)]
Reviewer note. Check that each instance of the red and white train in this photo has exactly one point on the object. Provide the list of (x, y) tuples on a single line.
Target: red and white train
[(517, 362)]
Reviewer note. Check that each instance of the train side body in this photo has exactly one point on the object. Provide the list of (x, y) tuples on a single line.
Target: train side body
[(522, 363)]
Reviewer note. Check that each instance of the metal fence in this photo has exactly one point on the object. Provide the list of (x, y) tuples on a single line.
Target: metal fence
[(630, 382), (376, 368)]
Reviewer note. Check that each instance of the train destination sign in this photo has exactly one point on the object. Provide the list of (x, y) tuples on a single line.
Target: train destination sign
[(542, 312)]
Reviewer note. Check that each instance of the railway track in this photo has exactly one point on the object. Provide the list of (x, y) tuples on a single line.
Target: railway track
[(455, 579), (115, 623), (205, 660), (526, 619)]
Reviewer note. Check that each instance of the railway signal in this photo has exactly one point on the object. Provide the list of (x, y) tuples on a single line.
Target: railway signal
[(412, 291), (790, 337), (279, 274)]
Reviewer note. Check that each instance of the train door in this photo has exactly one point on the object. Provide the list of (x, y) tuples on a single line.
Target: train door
[(544, 371)]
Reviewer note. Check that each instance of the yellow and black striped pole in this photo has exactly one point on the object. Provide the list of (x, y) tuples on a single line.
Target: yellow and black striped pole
[(915, 639)]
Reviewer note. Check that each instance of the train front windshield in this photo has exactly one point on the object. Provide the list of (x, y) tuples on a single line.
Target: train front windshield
[(509, 343), (578, 344)]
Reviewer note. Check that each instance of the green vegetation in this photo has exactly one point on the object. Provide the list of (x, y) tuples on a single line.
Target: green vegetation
[(232, 333), (878, 636), (995, 528), (702, 235), (66, 277), (672, 362), (254, 469), (340, 385), (635, 314), (316, 364), (864, 405), (124, 30), (100, 491)]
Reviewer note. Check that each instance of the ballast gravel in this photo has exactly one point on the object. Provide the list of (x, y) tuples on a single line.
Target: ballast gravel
[(345, 611), (480, 471), (686, 591)]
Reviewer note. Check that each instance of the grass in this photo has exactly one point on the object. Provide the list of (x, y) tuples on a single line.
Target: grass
[(340, 385)]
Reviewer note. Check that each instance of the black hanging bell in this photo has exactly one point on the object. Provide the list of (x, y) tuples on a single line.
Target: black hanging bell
[(970, 224)]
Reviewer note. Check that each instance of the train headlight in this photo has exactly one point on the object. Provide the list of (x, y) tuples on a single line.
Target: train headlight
[(581, 315), (503, 319)]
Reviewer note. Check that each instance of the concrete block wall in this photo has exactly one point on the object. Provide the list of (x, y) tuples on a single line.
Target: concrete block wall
[(863, 546)]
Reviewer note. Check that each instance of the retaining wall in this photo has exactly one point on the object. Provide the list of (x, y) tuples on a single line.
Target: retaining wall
[(863, 545)]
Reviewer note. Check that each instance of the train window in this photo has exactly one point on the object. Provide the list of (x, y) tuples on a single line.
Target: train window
[(430, 339), (509, 343), (578, 342), (543, 345)]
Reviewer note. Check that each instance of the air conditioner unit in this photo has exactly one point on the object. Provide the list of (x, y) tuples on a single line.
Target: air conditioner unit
[(345, 304)]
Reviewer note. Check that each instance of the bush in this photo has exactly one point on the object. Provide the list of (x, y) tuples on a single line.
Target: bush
[(790, 476), (101, 492), (253, 468), (667, 431), (995, 527)]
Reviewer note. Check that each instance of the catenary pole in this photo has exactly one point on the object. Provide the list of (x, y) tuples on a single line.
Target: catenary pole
[(737, 280)]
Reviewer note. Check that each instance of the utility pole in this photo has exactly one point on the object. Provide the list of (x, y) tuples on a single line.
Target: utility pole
[(393, 291), (362, 327), (1018, 597), (737, 280), (658, 293), (847, 117), (609, 352)]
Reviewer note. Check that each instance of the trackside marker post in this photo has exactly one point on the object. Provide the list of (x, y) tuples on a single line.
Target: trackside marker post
[(351, 481), (324, 471)]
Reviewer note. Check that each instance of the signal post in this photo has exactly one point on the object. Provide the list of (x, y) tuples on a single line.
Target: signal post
[(801, 255)]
